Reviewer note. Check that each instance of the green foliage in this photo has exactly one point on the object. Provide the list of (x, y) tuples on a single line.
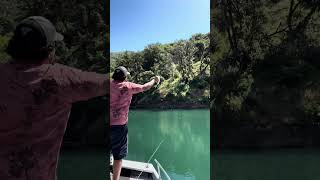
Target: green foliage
[(82, 23), (180, 64), (3, 45), (264, 62)]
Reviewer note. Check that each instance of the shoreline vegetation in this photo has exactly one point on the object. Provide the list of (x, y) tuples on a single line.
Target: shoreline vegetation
[(184, 69), (265, 73), (168, 107)]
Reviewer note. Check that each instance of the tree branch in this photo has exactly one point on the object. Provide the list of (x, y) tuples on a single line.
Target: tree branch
[(303, 24), (277, 32)]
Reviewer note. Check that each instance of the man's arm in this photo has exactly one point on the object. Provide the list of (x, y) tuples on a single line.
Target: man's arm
[(77, 85), (137, 88)]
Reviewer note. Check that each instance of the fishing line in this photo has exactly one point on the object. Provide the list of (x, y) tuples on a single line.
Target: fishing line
[(151, 158), (151, 93), (154, 152)]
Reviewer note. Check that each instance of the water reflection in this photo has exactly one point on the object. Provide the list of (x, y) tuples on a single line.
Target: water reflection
[(184, 153)]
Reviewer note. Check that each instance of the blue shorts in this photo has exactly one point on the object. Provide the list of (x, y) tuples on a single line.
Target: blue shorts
[(119, 141)]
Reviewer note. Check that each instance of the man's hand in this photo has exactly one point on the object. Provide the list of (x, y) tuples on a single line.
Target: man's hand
[(157, 79)]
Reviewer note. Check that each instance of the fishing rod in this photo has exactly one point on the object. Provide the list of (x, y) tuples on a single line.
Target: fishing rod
[(154, 152)]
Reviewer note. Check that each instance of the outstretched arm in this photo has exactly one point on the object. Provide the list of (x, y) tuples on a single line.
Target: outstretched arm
[(77, 85), (137, 88)]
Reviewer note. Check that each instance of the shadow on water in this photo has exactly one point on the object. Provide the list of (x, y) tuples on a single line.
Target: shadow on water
[(83, 164), (185, 152), (84, 154), (280, 164)]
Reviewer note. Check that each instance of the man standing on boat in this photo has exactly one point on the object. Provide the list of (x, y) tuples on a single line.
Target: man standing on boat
[(121, 92), (36, 96)]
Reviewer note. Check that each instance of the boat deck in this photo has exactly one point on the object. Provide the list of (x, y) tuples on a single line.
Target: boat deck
[(130, 178), (138, 166), (132, 169)]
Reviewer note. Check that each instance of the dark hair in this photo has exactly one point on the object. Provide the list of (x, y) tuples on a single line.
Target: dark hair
[(118, 76), (30, 48)]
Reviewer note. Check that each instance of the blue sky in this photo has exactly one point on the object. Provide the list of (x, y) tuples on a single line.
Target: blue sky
[(138, 23)]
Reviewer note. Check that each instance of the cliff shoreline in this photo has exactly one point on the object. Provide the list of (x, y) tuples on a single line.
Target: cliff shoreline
[(166, 106)]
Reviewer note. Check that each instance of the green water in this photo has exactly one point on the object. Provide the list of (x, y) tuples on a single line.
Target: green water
[(83, 164), (288, 164), (185, 152)]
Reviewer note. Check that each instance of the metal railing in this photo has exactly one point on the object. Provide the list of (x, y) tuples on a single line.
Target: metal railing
[(161, 169)]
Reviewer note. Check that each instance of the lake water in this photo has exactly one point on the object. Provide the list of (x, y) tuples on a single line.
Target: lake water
[(83, 164), (184, 153), (285, 164)]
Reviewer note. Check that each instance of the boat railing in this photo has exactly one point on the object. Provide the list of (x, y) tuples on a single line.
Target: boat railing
[(161, 169)]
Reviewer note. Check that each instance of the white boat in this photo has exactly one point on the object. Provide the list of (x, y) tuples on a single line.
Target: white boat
[(134, 170)]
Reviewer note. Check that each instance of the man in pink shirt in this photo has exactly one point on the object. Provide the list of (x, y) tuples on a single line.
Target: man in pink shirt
[(121, 92), (36, 96)]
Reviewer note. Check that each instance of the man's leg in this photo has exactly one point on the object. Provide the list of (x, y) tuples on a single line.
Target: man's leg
[(119, 149), (117, 164)]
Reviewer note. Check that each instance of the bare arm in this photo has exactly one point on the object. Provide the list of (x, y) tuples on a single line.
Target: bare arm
[(137, 88)]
